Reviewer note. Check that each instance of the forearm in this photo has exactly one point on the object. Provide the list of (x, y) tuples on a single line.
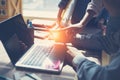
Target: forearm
[(62, 6), (87, 17), (59, 14), (88, 70)]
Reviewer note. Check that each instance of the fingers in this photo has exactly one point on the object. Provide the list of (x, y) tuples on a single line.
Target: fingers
[(71, 48), (66, 33), (74, 51)]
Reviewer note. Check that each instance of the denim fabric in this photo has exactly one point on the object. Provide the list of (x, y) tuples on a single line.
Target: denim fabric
[(87, 70)]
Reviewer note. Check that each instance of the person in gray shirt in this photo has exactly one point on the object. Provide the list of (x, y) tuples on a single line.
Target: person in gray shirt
[(88, 69)]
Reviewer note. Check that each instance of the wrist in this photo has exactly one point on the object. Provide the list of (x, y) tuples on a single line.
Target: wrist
[(78, 59)]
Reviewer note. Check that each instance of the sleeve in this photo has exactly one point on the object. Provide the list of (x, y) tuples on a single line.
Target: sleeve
[(95, 5), (87, 70), (63, 3)]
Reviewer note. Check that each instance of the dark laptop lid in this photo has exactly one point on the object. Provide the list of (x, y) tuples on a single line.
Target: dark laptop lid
[(14, 48), (12, 31), (15, 25)]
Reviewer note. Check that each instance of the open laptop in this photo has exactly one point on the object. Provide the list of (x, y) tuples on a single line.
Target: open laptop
[(23, 51)]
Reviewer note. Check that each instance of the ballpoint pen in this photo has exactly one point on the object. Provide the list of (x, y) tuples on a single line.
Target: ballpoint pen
[(30, 76)]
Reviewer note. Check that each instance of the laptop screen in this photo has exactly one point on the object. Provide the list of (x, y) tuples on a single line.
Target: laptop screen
[(14, 48), (12, 31), (15, 25)]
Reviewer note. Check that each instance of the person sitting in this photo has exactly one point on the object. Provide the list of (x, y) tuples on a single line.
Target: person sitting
[(88, 69)]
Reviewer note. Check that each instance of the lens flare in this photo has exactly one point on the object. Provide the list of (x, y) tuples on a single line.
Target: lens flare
[(58, 36)]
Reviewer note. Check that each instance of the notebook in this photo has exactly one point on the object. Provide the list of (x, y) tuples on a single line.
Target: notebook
[(24, 53)]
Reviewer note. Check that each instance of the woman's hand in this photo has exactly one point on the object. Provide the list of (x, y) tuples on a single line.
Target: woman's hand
[(67, 33)]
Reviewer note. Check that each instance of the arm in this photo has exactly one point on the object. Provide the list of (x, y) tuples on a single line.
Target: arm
[(87, 69), (59, 15), (93, 9), (62, 5), (77, 27), (87, 17)]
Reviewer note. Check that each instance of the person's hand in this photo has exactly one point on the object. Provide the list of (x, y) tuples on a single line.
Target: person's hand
[(71, 53), (72, 28), (67, 33), (74, 51)]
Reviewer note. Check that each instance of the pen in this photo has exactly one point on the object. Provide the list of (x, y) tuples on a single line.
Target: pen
[(30, 76)]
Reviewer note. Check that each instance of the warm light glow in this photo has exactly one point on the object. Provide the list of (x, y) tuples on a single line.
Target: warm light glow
[(58, 36), (55, 35)]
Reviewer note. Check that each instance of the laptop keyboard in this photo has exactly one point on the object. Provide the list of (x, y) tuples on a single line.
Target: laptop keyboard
[(36, 57)]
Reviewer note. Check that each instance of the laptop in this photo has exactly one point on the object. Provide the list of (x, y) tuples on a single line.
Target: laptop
[(24, 53)]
